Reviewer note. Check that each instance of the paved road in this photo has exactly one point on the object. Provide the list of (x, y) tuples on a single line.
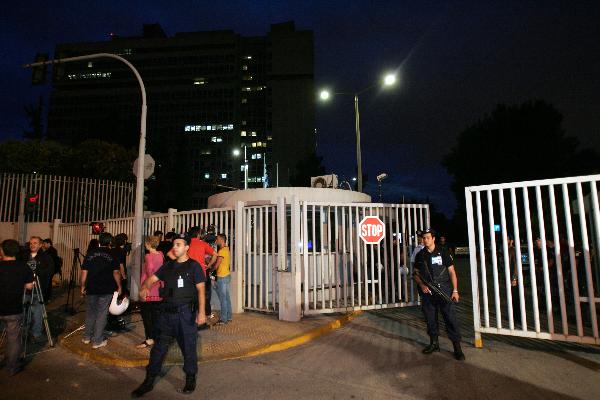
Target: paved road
[(373, 357)]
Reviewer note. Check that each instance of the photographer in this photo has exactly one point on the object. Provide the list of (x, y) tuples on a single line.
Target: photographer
[(14, 276), (43, 266)]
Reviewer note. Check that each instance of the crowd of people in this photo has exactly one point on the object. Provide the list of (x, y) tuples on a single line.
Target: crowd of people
[(177, 276)]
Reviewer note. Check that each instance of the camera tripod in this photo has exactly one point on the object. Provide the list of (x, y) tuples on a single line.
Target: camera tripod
[(29, 300), (71, 289)]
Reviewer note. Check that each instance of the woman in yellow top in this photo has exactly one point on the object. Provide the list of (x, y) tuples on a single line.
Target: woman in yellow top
[(222, 266)]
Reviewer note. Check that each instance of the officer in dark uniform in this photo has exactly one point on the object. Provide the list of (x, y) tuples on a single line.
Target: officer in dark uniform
[(434, 269), (181, 311)]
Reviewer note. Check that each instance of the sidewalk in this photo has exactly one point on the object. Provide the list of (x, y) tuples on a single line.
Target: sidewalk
[(249, 334)]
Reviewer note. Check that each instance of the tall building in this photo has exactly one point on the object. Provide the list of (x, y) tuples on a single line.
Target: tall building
[(212, 98)]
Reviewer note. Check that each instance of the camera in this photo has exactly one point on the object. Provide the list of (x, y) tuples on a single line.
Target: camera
[(32, 264)]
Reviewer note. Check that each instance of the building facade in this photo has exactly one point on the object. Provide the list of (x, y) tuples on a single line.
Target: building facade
[(218, 103)]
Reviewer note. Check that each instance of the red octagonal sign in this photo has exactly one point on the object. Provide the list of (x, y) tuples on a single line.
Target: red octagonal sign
[(371, 230)]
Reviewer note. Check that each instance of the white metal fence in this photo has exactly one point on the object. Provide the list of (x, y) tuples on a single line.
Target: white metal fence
[(340, 272), (78, 236), (546, 284), (70, 199)]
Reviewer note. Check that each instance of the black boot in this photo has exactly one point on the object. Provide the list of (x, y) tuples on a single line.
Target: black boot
[(458, 353), (433, 346), (190, 384), (145, 387)]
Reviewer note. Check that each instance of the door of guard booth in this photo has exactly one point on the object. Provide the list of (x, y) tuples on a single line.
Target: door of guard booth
[(546, 285), (341, 273)]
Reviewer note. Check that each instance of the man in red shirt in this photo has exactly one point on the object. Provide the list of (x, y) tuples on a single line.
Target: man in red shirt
[(199, 250)]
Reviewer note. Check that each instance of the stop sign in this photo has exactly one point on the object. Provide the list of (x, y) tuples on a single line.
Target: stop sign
[(371, 230)]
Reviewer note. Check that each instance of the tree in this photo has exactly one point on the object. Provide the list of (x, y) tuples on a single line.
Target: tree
[(90, 159), (516, 143), (306, 168)]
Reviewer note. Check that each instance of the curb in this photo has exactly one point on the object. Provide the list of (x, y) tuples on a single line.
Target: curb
[(270, 348)]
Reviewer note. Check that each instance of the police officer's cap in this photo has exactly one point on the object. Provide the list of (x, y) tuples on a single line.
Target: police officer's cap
[(428, 230)]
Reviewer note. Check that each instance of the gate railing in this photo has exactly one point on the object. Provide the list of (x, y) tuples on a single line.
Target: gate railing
[(340, 272), (535, 268)]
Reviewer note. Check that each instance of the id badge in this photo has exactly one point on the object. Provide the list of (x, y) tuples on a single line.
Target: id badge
[(180, 282)]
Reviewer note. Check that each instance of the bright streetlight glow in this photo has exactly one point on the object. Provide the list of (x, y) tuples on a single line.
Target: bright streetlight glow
[(324, 95), (236, 152), (389, 79)]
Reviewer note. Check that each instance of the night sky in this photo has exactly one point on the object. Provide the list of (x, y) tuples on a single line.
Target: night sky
[(456, 61)]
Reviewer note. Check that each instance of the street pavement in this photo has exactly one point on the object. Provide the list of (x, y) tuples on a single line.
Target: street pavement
[(376, 355)]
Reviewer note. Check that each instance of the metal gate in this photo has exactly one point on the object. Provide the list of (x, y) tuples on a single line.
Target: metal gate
[(259, 258), (534, 247), (341, 273)]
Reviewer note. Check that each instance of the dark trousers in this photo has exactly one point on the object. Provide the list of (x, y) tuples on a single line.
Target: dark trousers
[(180, 325), (207, 296), (12, 350), (150, 312), (431, 305)]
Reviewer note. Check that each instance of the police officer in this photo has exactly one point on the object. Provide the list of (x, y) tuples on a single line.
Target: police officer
[(434, 266), (181, 312)]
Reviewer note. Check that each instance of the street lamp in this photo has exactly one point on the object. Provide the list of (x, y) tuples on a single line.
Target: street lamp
[(139, 187), (388, 80)]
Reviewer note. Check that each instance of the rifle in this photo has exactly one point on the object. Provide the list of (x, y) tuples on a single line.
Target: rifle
[(435, 289)]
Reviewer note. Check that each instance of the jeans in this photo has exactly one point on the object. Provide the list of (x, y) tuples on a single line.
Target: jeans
[(37, 317), (95, 316), (12, 324), (223, 292)]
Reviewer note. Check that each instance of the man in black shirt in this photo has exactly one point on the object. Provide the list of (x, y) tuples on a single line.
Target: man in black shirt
[(100, 278), (434, 272), (14, 277), (56, 260), (166, 245), (181, 312)]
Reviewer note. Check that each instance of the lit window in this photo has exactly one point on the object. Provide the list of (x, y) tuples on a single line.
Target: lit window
[(206, 152), (253, 133), (199, 81), (219, 127), (247, 57), (223, 176), (193, 128), (244, 101), (188, 128), (230, 127), (254, 144), (247, 77), (242, 168), (207, 176), (209, 128), (246, 89), (127, 51), (243, 133), (90, 64), (244, 67), (269, 137), (244, 122)]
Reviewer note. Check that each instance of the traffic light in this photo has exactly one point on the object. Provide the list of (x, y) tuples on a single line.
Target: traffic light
[(38, 74), (32, 203), (97, 228)]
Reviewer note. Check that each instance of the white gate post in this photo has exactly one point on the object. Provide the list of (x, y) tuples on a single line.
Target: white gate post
[(237, 275), (474, 277), (290, 298), (170, 219), (55, 227)]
